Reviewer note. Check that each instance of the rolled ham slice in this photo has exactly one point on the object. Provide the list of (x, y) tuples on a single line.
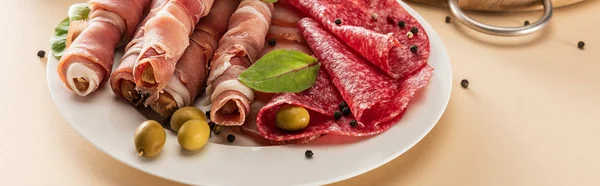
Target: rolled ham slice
[(373, 97), (371, 28), (192, 69), (121, 79), (166, 38), (89, 58), (238, 49)]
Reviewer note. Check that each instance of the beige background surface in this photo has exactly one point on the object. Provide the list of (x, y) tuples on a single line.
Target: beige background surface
[(530, 117)]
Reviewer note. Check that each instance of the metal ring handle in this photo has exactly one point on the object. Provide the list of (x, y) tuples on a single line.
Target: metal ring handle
[(502, 31)]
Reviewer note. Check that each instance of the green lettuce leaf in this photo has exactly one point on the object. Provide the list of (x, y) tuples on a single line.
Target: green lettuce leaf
[(58, 42), (282, 71)]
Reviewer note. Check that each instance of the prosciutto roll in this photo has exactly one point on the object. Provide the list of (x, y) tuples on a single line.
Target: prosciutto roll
[(166, 38), (381, 31), (238, 49), (192, 69), (121, 79), (89, 59)]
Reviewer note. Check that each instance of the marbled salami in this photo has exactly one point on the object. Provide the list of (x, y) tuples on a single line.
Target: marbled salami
[(322, 101), (372, 96), (377, 19)]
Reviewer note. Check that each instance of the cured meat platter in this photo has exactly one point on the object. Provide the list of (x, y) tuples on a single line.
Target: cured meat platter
[(249, 92)]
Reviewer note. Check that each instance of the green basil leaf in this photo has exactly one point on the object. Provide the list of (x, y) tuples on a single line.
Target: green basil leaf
[(282, 71), (58, 41), (80, 11)]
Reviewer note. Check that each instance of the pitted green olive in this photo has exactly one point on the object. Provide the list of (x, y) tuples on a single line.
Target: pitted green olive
[(150, 137), (292, 118)]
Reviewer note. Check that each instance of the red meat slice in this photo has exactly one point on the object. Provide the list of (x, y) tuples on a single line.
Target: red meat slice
[(322, 101), (378, 18)]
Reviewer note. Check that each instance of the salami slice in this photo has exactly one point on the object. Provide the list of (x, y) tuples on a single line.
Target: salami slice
[(372, 96), (377, 19), (322, 101)]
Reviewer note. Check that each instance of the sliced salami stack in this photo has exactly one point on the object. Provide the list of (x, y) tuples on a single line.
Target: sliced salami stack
[(381, 31), (377, 101)]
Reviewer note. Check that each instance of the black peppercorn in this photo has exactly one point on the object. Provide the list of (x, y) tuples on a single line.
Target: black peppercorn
[(402, 24), (353, 123), (308, 154), (580, 44), (343, 105), (526, 23), (272, 42), (230, 138), (414, 48), (448, 19), (464, 83), (41, 53), (337, 115), (338, 21), (414, 30), (346, 111)]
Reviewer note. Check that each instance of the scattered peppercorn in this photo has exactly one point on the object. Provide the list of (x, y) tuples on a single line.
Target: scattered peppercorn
[(230, 138), (41, 53), (308, 154), (464, 83), (402, 24), (353, 123), (343, 105), (448, 19), (580, 44), (337, 115), (414, 30), (346, 111), (217, 129), (414, 48), (526, 23), (272, 42), (338, 21)]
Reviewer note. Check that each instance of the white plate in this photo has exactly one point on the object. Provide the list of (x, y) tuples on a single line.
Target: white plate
[(109, 124)]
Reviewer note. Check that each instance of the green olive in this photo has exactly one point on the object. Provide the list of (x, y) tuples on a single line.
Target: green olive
[(150, 137), (292, 118), (193, 134), (185, 114)]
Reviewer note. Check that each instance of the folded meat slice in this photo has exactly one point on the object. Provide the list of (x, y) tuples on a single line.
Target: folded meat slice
[(321, 101), (165, 40), (89, 58), (373, 97), (121, 80), (376, 29), (238, 49), (192, 69)]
